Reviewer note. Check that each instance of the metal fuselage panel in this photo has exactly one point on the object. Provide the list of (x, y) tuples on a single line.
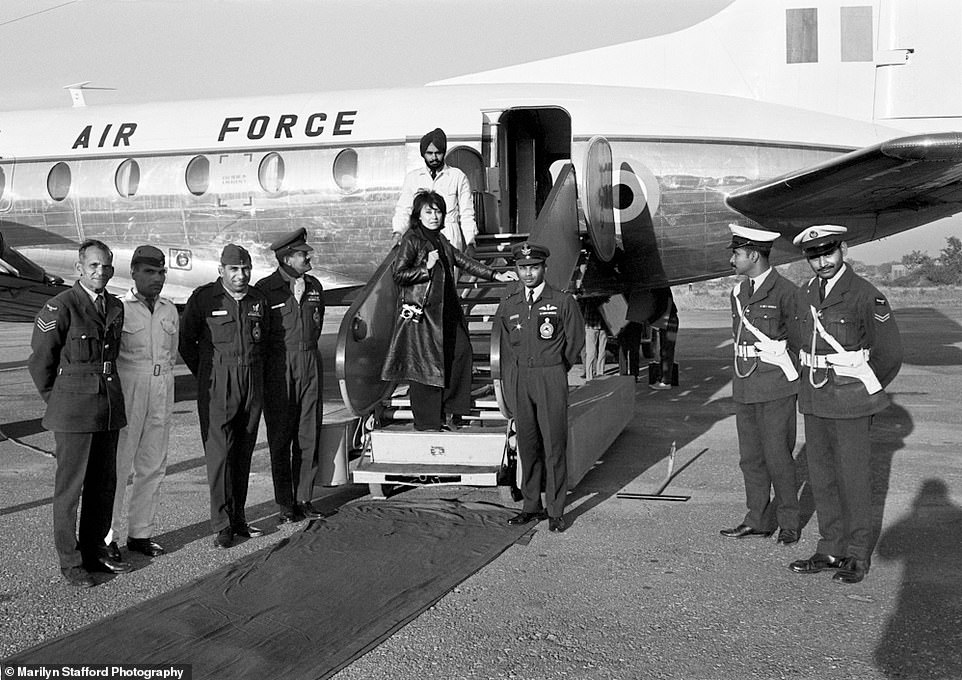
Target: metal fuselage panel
[(351, 231), (688, 151)]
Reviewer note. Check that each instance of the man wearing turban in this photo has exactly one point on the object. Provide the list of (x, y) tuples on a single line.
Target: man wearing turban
[(452, 184)]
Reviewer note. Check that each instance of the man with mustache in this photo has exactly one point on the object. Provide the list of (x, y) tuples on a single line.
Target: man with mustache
[(851, 349)]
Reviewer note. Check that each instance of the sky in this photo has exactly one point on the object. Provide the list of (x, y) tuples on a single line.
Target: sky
[(162, 50)]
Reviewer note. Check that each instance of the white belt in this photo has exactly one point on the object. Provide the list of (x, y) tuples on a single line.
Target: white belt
[(812, 360), (819, 360), (746, 351)]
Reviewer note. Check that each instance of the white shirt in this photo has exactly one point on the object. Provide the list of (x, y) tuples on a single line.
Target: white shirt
[(147, 338), (832, 281), (460, 227), (757, 281), (532, 295)]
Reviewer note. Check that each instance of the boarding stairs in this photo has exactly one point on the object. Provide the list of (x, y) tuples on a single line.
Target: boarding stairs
[(481, 452)]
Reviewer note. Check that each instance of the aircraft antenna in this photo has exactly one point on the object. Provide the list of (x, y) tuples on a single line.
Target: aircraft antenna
[(77, 92)]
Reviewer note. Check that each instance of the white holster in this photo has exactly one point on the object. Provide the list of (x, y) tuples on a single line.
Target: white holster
[(848, 363), (769, 351)]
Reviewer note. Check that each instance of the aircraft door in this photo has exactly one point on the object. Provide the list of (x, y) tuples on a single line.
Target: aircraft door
[(597, 197), (6, 184)]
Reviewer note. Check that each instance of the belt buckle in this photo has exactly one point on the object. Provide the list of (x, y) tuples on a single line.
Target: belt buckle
[(108, 367), (156, 369)]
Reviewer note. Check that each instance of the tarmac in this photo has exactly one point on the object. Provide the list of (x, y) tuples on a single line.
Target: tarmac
[(636, 588)]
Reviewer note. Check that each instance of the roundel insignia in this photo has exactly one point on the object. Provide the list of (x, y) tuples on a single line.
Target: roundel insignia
[(546, 329), (813, 234)]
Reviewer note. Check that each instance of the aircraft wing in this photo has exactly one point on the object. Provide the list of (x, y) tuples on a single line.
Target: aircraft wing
[(24, 286), (876, 191)]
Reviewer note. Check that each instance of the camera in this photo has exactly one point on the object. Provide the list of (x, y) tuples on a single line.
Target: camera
[(411, 312)]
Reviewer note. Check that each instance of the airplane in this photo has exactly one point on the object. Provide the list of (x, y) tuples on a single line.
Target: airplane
[(657, 174)]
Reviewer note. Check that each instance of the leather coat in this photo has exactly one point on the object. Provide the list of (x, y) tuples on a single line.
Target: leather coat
[(416, 352)]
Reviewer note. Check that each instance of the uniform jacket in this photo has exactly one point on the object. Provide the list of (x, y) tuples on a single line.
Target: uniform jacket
[(859, 317), (550, 332), (452, 184), (149, 339), (293, 326), (772, 310), (73, 363), (417, 351), (216, 331)]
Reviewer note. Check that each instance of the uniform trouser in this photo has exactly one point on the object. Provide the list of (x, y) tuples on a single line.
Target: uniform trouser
[(86, 466), (596, 340), (142, 447), (293, 410), (541, 419), (229, 408), (839, 467), (766, 440), (430, 403)]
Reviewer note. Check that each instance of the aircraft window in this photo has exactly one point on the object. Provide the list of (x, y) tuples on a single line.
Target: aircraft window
[(857, 34), (127, 179), (58, 181), (271, 173), (198, 175), (345, 170), (801, 35)]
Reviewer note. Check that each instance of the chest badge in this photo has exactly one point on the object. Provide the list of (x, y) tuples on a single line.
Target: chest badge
[(546, 329), (256, 332), (317, 316)]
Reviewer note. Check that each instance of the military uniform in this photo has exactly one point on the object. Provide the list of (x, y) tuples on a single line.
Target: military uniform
[(223, 343), (838, 408), (148, 352), (73, 365), (765, 403), (293, 381), (542, 341)]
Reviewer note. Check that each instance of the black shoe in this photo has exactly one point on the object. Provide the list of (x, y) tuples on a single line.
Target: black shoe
[(787, 537), (224, 538), (102, 561), (247, 531), (525, 517), (744, 531), (557, 524), (145, 546), (78, 577), (308, 511), (852, 570), (114, 551), (289, 517), (816, 563)]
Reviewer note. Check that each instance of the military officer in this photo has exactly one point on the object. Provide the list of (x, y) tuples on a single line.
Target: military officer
[(851, 350), (73, 364), (148, 352), (223, 342), (294, 376), (765, 387), (544, 334)]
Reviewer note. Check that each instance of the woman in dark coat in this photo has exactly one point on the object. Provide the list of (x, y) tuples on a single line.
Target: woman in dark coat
[(431, 350)]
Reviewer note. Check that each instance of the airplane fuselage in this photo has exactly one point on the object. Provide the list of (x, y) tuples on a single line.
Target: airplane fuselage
[(192, 177)]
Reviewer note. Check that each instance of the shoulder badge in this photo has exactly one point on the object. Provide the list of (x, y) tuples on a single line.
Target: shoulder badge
[(882, 313), (46, 326)]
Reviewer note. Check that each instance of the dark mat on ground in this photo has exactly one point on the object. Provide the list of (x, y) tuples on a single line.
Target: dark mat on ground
[(308, 606)]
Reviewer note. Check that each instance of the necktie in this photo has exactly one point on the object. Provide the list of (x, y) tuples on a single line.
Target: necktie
[(751, 287), (101, 309), (298, 289), (822, 283)]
